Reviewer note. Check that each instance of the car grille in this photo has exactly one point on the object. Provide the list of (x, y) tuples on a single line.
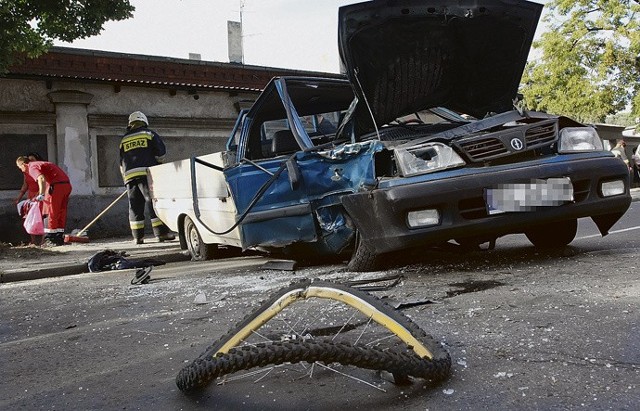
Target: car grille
[(541, 134), (485, 147)]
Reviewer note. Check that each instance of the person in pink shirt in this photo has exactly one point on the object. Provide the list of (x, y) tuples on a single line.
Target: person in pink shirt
[(46, 173), (29, 185), (31, 189)]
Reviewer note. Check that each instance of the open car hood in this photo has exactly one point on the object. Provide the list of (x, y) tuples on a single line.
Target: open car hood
[(403, 56)]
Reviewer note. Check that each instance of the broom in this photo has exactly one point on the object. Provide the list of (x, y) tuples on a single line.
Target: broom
[(80, 236)]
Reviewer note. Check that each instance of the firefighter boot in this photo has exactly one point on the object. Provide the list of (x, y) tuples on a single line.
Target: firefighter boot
[(163, 233), (138, 235), (168, 236)]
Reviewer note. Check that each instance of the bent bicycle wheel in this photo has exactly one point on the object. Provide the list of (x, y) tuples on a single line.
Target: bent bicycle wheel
[(297, 325)]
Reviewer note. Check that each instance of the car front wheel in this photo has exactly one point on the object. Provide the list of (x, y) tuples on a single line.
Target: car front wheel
[(198, 249), (363, 258)]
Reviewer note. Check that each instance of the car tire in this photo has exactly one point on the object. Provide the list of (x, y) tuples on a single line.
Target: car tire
[(199, 250), (363, 259), (553, 235)]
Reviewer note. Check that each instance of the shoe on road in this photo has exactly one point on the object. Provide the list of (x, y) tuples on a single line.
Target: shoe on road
[(142, 275)]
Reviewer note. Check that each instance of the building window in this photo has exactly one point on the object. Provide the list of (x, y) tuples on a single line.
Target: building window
[(178, 148), (14, 145), (109, 161)]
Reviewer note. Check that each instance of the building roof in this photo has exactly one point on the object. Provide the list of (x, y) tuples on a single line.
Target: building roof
[(120, 68)]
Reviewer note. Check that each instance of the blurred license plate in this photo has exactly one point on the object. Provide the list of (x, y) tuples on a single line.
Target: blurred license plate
[(528, 196)]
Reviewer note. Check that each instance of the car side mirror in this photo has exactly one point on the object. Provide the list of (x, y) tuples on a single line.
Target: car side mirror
[(295, 177)]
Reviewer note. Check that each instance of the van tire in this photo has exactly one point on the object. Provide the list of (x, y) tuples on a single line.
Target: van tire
[(199, 250)]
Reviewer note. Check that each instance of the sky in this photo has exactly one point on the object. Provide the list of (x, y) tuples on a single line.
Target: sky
[(293, 34)]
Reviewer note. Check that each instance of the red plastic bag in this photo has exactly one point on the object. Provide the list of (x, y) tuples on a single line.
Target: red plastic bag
[(33, 221)]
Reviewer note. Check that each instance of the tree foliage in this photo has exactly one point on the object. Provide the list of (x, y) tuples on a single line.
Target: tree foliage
[(28, 27), (588, 63)]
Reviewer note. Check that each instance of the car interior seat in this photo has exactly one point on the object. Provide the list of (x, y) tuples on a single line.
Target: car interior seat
[(283, 142)]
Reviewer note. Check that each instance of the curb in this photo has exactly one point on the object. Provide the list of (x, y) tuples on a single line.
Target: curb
[(73, 269)]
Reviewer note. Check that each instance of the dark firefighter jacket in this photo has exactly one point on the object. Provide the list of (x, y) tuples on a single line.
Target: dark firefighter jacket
[(140, 148)]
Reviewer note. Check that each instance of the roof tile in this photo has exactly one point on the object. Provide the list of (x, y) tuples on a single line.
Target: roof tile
[(93, 65)]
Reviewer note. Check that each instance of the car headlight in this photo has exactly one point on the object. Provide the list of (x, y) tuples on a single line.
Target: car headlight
[(579, 139), (426, 158)]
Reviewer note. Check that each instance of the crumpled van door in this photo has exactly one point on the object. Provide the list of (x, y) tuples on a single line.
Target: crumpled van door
[(279, 214)]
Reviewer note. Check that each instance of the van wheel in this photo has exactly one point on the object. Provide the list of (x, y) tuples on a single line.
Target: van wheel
[(553, 235), (198, 249), (363, 258)]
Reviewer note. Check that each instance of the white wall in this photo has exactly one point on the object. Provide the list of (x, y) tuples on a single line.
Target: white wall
[(75, 115)]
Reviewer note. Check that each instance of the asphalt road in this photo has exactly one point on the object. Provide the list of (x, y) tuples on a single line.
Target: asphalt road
[(526, 329)]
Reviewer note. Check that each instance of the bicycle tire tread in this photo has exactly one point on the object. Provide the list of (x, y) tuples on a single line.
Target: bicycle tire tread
[(204, 370)]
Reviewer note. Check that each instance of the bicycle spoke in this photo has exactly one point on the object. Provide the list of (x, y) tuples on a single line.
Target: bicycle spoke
[(247, 374), (343, 327), (363, 331), (352, 377)]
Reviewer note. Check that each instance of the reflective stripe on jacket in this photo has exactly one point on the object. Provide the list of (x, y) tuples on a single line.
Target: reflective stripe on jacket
[(139, 148)]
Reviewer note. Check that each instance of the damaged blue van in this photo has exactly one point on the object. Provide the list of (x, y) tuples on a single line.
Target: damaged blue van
[(422, 143)]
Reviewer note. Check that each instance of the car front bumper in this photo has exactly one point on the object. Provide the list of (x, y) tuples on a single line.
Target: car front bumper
[(380, 215)]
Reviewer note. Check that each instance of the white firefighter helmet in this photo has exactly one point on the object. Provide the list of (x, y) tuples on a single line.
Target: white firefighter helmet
[(138, 116)]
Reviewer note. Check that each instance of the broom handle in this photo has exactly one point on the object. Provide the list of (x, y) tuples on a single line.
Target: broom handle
[(102, 213)]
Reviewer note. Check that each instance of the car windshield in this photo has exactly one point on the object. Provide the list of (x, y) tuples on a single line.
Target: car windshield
[(433, 116), (418, 125)]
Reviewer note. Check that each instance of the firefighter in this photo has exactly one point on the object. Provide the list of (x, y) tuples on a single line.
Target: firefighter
[(140, 148), (46, 173)]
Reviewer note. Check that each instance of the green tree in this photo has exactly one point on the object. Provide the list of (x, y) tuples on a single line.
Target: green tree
[(28, 27), (588, 60)]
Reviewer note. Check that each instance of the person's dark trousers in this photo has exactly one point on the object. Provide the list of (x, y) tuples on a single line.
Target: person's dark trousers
[(139, 199)]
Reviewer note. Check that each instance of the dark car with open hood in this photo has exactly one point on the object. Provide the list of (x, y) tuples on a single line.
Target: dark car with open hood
[(424, 142)]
